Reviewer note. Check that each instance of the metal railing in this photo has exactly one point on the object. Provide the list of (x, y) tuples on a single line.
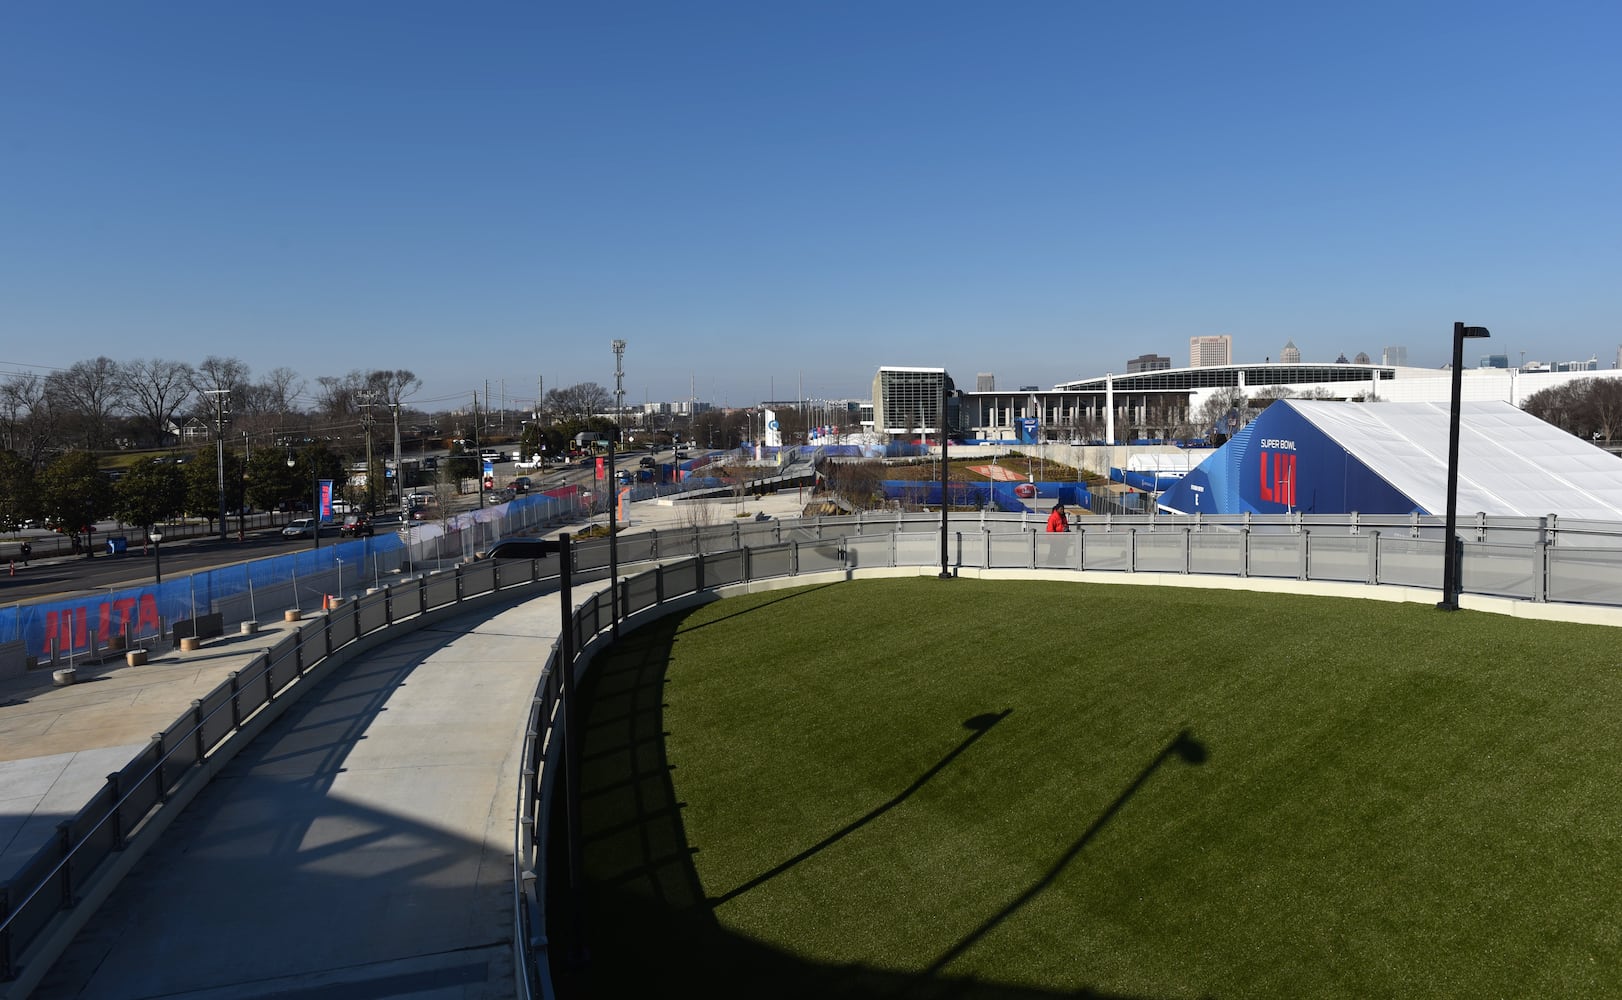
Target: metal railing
[(1515, 560), (1540, 560), (146, 793)]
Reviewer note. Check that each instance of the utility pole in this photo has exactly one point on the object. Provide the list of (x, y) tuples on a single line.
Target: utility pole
[(478, 468), (222, 406), (398, 483), (366, 401), (619, 389)]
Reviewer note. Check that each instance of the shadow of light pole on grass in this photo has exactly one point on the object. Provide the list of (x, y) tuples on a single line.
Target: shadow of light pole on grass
[(977, 725), (1183, 746)]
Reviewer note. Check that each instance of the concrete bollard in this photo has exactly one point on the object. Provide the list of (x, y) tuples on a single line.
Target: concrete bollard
[(250, 627), (291, 615), (63, 677), (190, 644), (135, 657)]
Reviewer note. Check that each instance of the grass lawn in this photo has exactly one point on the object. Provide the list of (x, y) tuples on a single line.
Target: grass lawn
[(1022, 789)]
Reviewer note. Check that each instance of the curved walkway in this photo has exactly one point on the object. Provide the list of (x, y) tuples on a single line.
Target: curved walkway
[(360, 848)]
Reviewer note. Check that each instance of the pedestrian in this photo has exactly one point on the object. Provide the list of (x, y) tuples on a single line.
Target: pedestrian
[(27, 550), (1057, 521)]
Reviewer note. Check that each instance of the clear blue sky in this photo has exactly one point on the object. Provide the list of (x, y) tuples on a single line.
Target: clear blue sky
[(760, 196)]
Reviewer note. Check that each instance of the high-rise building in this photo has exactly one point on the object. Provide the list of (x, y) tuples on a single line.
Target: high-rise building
[(985, 382), (1148, 363), (1207, 351), (1291, 355), (1395, 355), (1360, 358), (1495, 361)]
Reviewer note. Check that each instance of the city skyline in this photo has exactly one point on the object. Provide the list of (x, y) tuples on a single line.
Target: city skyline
[(797, 195)]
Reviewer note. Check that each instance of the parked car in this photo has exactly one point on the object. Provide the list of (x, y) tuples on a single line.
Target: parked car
[(492, 455), (520, 548), (301, 527)]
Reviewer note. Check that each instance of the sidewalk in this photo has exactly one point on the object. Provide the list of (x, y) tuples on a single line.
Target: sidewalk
[(58, 744)]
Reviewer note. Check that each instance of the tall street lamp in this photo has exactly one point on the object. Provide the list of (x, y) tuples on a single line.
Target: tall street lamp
[(315, 498), (1450, 542), (156, 535)]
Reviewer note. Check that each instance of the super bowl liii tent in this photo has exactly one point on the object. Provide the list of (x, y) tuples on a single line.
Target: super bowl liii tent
[(1326, 457)]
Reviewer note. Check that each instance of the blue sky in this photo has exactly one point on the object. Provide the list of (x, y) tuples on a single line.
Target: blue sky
[(771, 198)]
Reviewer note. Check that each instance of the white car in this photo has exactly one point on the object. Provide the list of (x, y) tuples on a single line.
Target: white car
[(299, 528)]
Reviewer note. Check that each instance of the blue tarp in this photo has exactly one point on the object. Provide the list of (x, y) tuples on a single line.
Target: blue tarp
[(999, 495)]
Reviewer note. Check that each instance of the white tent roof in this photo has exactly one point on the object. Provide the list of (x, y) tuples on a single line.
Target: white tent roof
[(1510, 462)]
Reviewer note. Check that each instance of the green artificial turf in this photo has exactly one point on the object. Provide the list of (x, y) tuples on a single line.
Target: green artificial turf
[(1023, 789)]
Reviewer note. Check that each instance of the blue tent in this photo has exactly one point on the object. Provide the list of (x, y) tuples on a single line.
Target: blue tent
[(1325, 457)]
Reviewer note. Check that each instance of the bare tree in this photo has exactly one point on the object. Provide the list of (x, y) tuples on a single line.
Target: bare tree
[(1605, 396), (393, 385), (217, 373), (214, 376), (336, 397), (1590, 408), (86, 396), (1226, 410), (26, 418), (158, 390), (578, 401)]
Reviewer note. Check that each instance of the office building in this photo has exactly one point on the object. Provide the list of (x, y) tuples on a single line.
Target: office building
[(1204, 352)]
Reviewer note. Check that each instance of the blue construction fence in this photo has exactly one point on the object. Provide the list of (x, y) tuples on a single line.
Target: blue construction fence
[(82, 625), (86, 625), (1001, 496)]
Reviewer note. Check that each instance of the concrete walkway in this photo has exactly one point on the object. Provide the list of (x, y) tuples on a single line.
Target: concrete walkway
[(360, 848)]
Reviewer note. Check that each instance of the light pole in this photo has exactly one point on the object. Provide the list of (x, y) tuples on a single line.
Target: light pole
[(1450, 542), (156, 536), (315, 498)]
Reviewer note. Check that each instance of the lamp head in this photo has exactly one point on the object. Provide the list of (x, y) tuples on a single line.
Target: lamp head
[(1459, 329), (155, 534)]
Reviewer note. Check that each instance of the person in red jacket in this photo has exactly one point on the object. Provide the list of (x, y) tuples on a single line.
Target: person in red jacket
[(1057, 521)]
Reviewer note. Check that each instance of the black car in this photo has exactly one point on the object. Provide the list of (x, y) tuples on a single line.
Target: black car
[(520, 548)]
